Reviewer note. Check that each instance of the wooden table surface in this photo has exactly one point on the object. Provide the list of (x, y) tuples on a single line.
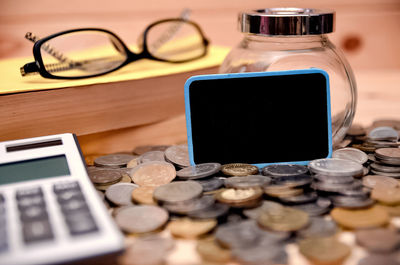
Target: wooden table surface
[(367, 30)]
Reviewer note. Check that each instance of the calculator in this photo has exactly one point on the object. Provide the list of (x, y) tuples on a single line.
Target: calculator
[(50, 212)]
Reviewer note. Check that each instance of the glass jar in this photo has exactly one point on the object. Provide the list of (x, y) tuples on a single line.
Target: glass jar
[(277, 39)]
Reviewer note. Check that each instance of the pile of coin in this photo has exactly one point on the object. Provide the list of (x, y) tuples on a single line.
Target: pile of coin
[(237, 211)]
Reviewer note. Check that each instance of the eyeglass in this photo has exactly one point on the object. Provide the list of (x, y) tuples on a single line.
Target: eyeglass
[(90, 52)]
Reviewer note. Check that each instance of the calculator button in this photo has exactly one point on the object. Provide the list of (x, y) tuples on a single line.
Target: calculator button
[(69, 195), (34, 213), (29, 192), (37, 231), (74, 205), (3, 240), (81, 223), (64, 186), (30, 201)]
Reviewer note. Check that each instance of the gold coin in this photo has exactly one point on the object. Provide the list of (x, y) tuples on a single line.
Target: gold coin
[(391, 210), (190, 228), (144, 195), (210, 250), (360, 218), (282, 191), (284, 219), (155, 173), (239, 197), (386, 195), (324, 250), (239, 169)]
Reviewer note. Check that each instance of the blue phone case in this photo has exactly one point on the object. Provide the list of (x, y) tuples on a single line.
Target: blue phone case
[(256, 74)]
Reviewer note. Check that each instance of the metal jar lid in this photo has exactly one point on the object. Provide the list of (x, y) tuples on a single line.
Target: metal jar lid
[(287, 21)]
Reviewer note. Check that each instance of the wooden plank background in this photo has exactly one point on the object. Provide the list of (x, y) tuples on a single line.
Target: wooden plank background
[(367, 30)]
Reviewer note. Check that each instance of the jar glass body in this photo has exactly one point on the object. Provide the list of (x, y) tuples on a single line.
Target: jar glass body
[(258, 53)]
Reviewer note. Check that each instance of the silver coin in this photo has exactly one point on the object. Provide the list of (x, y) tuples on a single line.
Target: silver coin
[(388, 154), (320, 207), (280, 170), (318, 227), (374, 180), (152, 156), (352, 154), (358, 192), (238, 235), (385, 168), (334, 179), (199, 171), (216, 210), (393, 162), (336, 167), (257, 255), (384, 133), (211, 184), (121, 193), (246, 182), (266, 206), (294, 180), (300, 199), (141, 219), (246, 234), (336, 187), (113, 160), (381, 144), (185, 207), (178, 191), (351, 202), (104, 176), (178, 155), (386, 174)]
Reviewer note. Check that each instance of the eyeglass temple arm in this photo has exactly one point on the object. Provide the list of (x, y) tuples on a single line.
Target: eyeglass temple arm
[(29, 69), (48, 48)]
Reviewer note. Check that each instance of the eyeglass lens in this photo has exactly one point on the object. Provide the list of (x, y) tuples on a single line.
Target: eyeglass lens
[(82, 53), (175, 41)]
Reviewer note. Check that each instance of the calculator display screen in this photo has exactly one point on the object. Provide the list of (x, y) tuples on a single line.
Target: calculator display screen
[(40, 168)]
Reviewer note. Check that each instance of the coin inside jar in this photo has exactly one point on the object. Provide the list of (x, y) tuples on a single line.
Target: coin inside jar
[(239, 169), (154, 173)]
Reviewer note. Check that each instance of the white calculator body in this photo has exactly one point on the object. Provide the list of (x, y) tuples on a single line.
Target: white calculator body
[(49, 210)]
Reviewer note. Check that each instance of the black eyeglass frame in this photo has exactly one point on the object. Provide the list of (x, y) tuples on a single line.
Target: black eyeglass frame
[(39, 66)]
